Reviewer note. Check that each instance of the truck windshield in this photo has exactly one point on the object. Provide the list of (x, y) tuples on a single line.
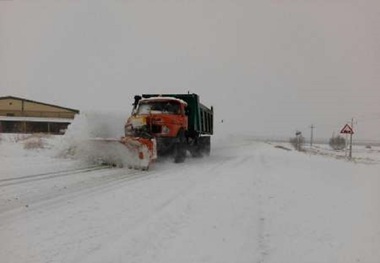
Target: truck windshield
[(158, 107)]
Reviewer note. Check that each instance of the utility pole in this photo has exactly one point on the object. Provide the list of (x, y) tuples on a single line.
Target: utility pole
[(298, 137), (311, 135), (352, 127), (349, 130)]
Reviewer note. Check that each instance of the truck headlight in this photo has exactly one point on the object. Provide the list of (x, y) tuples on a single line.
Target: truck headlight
[(138, 121)]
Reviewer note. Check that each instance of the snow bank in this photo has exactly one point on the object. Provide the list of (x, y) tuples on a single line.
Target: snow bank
[(75, 144)]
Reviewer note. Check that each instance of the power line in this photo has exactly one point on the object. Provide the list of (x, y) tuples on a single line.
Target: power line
[(352, 127)]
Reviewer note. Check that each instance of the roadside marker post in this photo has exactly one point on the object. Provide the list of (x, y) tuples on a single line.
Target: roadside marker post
[(347, 129)]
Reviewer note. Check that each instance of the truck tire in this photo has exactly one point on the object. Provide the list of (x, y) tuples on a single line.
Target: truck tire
[(180, 148), (196, 149)]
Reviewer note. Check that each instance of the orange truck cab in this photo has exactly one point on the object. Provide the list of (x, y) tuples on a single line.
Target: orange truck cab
[(178, 122)]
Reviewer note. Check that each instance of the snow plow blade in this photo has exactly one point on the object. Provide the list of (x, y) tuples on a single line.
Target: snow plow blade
[(144, 151), (132, 152)]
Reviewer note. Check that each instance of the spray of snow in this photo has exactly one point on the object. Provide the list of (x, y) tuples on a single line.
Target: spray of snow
[(94, 138)]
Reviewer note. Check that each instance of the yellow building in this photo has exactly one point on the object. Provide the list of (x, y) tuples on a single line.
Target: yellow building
[(18, 115)]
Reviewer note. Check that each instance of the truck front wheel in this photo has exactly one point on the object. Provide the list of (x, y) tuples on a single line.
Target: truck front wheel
[(180, 148)]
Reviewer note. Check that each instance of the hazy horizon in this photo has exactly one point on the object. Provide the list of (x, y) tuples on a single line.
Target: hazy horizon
[(269, 68)]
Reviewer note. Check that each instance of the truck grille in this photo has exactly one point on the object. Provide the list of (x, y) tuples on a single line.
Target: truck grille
[(156, 128)]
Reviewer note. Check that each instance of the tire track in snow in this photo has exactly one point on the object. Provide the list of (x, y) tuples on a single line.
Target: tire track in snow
[(50, 175), (129, 220), (92, 184), (208, 187), (164, 225), (263, 238), (88, 186)]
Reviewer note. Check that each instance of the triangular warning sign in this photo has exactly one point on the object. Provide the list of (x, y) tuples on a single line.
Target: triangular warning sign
[(347, 130)]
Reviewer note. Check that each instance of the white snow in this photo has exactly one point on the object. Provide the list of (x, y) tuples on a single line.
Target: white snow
[(247, 202), (158, 98), (35, 119)]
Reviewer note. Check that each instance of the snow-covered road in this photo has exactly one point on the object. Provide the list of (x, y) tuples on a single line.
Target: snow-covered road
[(247, 202)]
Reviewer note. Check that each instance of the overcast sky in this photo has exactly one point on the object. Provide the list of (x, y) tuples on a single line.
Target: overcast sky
[(268, 67)]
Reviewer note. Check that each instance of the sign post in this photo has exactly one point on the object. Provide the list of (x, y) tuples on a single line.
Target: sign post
[(298, 136), (347, 129)]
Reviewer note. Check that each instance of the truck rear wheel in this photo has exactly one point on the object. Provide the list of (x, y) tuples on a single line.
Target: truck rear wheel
[(205, 145), (201, 147)]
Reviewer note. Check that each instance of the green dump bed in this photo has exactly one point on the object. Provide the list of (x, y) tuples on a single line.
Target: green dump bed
[(200, 117)]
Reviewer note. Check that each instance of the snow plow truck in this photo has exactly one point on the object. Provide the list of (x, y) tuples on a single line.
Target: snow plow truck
[(168, 125)]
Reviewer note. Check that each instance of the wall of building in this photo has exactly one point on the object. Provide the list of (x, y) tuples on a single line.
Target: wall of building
[(25, 116), (33, 127), (16, 107), (10, 105)]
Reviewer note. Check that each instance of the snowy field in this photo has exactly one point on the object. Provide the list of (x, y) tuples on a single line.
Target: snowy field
[(360, 153), (248, 202)]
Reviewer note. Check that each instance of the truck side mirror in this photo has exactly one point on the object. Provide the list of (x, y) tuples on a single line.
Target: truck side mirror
[(137, 99)]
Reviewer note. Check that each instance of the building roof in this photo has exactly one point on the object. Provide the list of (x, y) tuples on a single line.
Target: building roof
[(37, 102)]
